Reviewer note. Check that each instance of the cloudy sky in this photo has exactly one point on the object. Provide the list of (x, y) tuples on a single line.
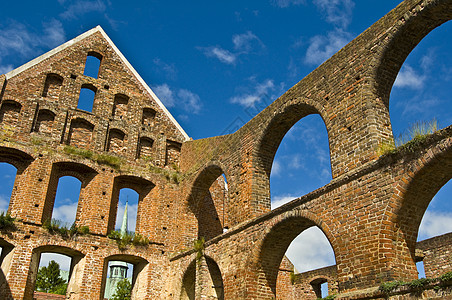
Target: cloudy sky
[(215, 65)]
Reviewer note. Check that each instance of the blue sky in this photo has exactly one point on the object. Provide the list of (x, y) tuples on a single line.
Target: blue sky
[(216, 64)]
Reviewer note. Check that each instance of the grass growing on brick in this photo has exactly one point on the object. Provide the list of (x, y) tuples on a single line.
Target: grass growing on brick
[(102, 159), (416, 285), (54, 226), (124, 240), (6, 221)]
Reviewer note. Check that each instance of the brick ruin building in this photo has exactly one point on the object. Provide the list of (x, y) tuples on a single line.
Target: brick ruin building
[(370, 212)]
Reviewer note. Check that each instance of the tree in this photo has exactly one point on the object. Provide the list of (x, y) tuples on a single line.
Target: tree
[(123, 290), (49, 280)]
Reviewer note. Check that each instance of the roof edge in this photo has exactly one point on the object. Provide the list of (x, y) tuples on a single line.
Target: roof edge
[(82, 36)]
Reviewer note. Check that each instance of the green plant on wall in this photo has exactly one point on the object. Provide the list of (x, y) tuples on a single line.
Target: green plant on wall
[(54, 226), (124, 240), (6, 221), (199, 246)]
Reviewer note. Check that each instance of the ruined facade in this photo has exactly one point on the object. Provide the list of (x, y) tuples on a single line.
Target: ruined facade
[(125, 138)]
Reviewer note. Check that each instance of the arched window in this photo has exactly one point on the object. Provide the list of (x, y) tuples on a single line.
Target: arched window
[(44, 121), (8, 175), (172, 153), (10, 112), (92, 65), (116, 142), (131, 197), (52, 86), (80, 133), (148, 116), (120, 106), (86, 97), (66, 200), (144, 150)]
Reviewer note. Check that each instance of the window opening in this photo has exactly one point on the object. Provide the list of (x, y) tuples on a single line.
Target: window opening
[(420, 269), (66, 200), (52, 86), (44, 122), (8, 175), (92, 65), (86, 98), (130, 198), (53, 273)]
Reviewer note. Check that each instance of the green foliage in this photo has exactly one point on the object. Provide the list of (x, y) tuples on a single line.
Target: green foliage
[(446, 277), (329, 297), (419, 284), (49, 280), (388, 287), (56, 227), (103, 159), (6, 221), (198, 246), (36, 141), (127, 239), (292, 277), (409, 140), (123, 290)]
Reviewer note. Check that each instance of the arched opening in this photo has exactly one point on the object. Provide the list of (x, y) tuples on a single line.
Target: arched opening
[(92, 64), (130, 197), (205, 273), (53, 274), (80, 133), (135, 190), (86, 97), (422, 90), (66, 200), (434, 230), (208, 202), (65, 191), (313, 260), (148, 116), (117, 142), (10, 113), (172, 154), (120, 104), (124, 267), (8, 175), (52, 86), (144, 149), (44, 121), (302, 161)]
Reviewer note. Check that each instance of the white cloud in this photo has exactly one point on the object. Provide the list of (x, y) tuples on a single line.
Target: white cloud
[(287, 3), (17, 40), (189, 101), (337, 12), (323, 47), (409, 78), (4, 203), (243, 44), (169, 69), (63, 260), (79, 7), (221, 54), (246, 42), (259, 91), (435, 223), (311, 250), (276, 168), (277, 201), (65, 213)]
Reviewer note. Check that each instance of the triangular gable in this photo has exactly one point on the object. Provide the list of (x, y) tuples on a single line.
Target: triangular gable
[(121, 56)]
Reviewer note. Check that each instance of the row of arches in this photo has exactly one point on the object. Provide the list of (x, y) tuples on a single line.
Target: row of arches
[(73, 264)]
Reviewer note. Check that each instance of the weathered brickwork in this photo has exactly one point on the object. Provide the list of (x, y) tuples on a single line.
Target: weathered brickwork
[(218, 188)]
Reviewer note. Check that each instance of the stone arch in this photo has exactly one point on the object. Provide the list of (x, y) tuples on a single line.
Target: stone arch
[(52, 86), (80, 171), (414, 190), (277, 238), (10, 113), (145, 148), (210, 212), (210, 280), (116, 141), (18, 158), (44, 121), (139, 278), (416, 21), (140, 185), (80, 133), (148, 117), (77, 262)]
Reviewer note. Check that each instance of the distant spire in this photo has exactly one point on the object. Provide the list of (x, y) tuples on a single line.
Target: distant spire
[(125, 226)]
